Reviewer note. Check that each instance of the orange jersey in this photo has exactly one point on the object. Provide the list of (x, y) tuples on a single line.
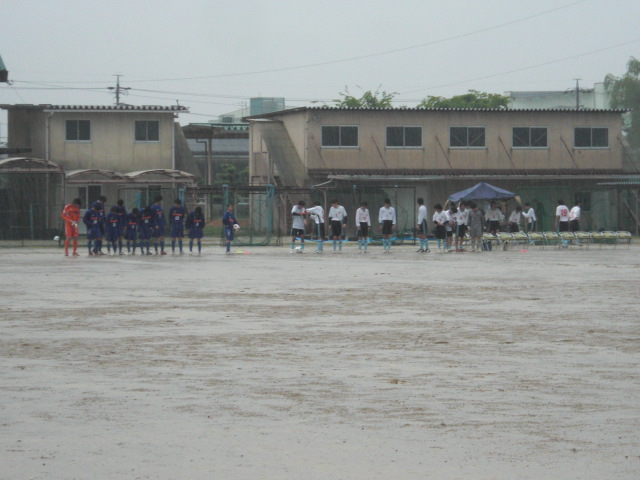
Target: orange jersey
[(71, 213), (71, 217)]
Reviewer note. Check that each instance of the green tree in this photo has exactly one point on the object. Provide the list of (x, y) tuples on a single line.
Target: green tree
[(369, 99), (229, 174), (624, 92), (472, 99)]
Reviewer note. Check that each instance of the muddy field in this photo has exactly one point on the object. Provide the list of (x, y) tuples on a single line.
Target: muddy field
[(265, 365)]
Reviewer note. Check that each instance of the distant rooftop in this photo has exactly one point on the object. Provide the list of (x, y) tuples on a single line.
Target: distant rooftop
[(422, 109), (101, 108)]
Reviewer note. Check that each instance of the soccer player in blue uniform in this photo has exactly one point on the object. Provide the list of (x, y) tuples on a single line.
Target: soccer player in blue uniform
[(195, 227), (160, 222), (131, 233), (176, 218), (122, 215), (229, 221), (147, 225), (112, 230), (99, 205), (94, 235)]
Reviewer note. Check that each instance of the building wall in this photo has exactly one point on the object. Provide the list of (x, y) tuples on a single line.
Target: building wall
[(436, 152), (27, 130), (112, 145)]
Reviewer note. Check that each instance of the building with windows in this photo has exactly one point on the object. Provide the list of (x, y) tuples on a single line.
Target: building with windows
[(541, 154), (129, 152), (122, 138)]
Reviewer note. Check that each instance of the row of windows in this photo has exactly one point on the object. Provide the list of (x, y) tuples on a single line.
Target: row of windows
[(80, 131), (346, 136)]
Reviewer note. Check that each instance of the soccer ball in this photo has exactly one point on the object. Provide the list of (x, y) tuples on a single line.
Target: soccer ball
[(236, 227), (298, 249), (56, 238)]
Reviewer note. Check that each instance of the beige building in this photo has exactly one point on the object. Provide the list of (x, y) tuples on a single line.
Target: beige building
[(540, 154), (329, 141), (122, 138)]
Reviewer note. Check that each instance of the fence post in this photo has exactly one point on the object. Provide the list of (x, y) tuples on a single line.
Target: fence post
[(31, 220)]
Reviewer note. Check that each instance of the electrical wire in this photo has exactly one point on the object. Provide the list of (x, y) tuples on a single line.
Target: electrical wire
[(359, 57)]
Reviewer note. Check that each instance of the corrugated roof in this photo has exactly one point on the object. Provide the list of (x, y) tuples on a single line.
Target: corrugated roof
[(101, 108), (422, 109), (118, 108)]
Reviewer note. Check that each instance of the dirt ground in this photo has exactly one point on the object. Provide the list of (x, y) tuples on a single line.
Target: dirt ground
[(265, 365)]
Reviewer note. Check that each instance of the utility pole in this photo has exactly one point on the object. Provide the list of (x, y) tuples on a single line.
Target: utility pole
[(119, 89), (578, 93)]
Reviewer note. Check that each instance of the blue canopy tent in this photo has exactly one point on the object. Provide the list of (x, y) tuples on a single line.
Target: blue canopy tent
[(481, 191)]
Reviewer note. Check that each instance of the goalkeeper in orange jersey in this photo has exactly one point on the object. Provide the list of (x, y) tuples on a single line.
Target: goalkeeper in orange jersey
[(71, 217)]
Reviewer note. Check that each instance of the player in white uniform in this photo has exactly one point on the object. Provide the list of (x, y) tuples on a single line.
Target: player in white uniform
[(297, 226), (574, 217), (562, 220), (338, 218), (317, 213), (363, 224), (562, 217), (494, 217), (462, 221), (515, 219), (530, 215), (441, 218), (387, 221), (423, 228)]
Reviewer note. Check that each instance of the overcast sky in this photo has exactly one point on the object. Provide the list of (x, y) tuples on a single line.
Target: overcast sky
[(212, 56)]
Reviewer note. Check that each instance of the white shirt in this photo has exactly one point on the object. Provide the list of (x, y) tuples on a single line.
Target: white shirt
[(317, 212), (451, 220), (298, 220), (562, 211), (441, 217), (574, 214), (362, 216), (463, 217), (422, 214), (530, 215), (515, 217), (494, 215), (387, 214), (337, 213)]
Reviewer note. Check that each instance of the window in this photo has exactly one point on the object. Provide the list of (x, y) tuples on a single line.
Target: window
[(404, 137), (147, 131), (78, 131), (591, 137), (466, 137), (339, 136), (89, 194), (529, 137)]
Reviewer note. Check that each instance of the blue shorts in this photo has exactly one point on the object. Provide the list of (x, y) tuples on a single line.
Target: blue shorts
[(195, 233), (94, 232), (158, 232), (112, 235), (131, 234), (145, 233), (177, 230)]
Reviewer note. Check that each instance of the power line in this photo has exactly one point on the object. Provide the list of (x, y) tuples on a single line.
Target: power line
[(371, 55), (359, 57), (530, 67)]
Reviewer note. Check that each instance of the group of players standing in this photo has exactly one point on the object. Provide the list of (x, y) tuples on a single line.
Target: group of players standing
[(450, 224), (138, 228), (337, 217)]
